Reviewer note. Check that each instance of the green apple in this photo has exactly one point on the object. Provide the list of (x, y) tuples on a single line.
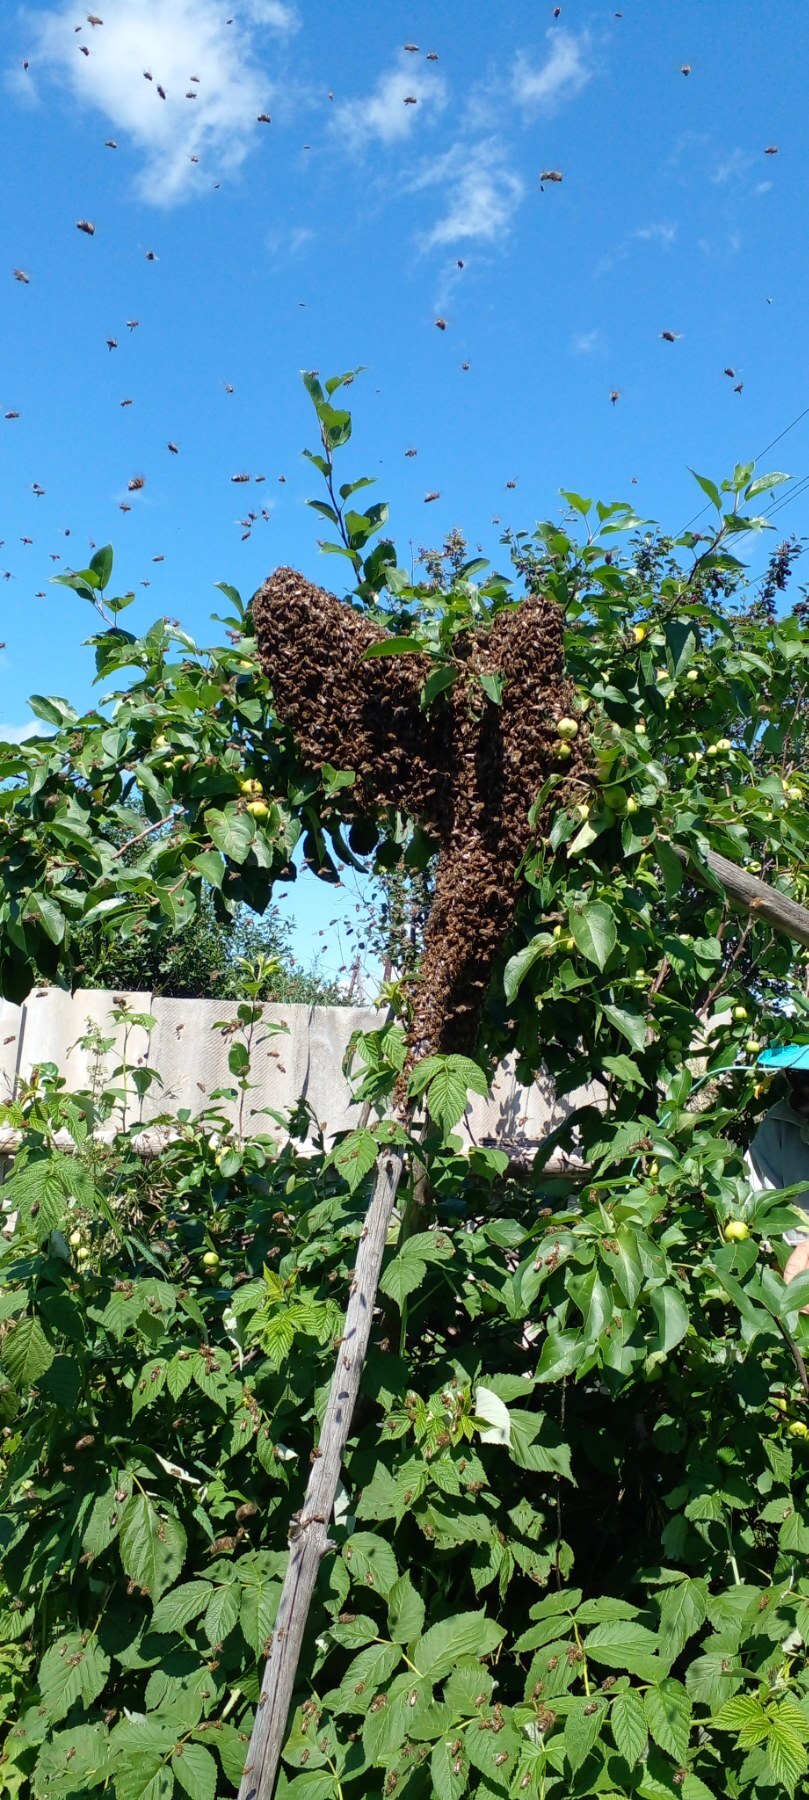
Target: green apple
[(615, 798), (739, 1014), (564, 753), (566, 729), (692, 675), (631, 805), (210, 1260), (752, 1046), (75, 1239), (798, 1429), (639, 633), (258, 809), (724, 744), (640, 728), (736, 1231), (793, 792)]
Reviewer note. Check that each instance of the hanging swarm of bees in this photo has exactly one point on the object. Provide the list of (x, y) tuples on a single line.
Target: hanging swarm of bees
[(467, 769)]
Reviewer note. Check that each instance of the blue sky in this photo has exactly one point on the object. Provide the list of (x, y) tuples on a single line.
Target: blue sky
[(331, 237)]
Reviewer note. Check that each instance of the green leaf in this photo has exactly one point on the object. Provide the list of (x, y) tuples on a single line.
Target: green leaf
[(101, 565), (628, 1726), (787, 1755), (71, 1762), (441, 678), (447, 1080), (392, 646), (75, 1668), (222, 1613), (195, 1770), (467, 1634), (593, 928), (405, 1611), (210, 864), (355, 1157), (625, 1645), (232, 832), (449, 1769), (673, 1319), (582, 1727), (668, 1712), (143, 1775), (763, 483), (518, 966), (238, 1059), (173, 1612), (152, 1543), (491, 1410), (708, 487), (51, 916), (492, 686), (371, 1561), (632, 1025), (26, 1354)]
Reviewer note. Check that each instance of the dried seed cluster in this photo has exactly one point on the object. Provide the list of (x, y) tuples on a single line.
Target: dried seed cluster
[(468, 769)]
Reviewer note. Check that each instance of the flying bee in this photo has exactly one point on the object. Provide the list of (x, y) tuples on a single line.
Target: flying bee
[(432, 55), (137, 482), (685, 69), (151, 256), (670, 337), (190, 95), (730, 372), (83, 50), (112, 343), (125, 402), (240, 478), (110, 144), (411, 453), (20, 275), (86, 226), (132, 324), (122, 506), (228, 386), (441, 324), (158, 559), (429, 497), (552, 175), (511, 484), (174, 448), (615, 395), (771, 150), (465, 365), (12, 415), (410, 100), (147, 76), (264, 119), (161, 91), (413, 49)]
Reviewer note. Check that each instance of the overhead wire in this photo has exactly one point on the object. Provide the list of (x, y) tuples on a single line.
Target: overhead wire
[(758, 456)]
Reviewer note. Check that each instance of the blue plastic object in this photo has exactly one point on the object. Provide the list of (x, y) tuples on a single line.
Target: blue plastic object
[(787, 1056)]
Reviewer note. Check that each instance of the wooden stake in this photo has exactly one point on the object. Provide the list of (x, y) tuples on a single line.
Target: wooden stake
[(309, 1530)]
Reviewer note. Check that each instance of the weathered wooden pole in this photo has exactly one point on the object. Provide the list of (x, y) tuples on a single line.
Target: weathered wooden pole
[(309, 1529)]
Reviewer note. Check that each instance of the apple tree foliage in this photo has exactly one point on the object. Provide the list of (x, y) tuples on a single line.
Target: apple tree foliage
[(571, 1541)]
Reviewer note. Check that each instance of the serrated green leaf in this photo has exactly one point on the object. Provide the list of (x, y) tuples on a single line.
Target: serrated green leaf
[(195, 1770), (26, 1354), (668, 1713), (405, 1611), (787, 1755), (466, 1634), (625, 1645), (152, 1543), (449, 1768), (582, 1727), (174, 1610), (222, 1613), (71, 1762), (628, 1726), (355, 1157), (75, 1668)]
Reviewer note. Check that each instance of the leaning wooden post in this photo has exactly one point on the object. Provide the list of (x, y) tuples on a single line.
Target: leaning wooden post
[(749, 894), (309, 1529)]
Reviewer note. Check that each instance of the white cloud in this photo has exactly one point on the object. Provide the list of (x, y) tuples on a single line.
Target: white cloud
[(732, 167), (662, 234), (172, 40), (383, 114), (583, 343), (482, 192), (563, 74), (17, 734)]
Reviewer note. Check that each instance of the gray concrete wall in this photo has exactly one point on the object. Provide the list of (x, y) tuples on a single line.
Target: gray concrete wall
[(296, 1051)]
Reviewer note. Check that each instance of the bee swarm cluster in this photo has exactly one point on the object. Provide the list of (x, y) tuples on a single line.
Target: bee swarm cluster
[(468, 770)]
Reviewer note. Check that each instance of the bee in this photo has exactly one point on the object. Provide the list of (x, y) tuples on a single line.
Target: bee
[(511, 484), (411, 453), (228, 387), (730, 372), (465, 365), (556, 11), (441, 324), (137, 482), (261, 478), (86, 226), (432, 55), (93, 19), (685, 69), (25, 63), (264, 119), (147, 76), (110, 144), (20, 275), (410, 100), (112, 343), (39, 491), (151, 256), (193, 78), (84, 50), (413, 48), (26, 540), (240, 477), (429, 497), (670, 337), (738, 387), (125, 402), (615, 395), (552, 175), (282, 478), (460, 263), (191, 95), (132, 324), (12, 415), (161, 91), (771, 150), (174, 448), (84, 1443), (158, 559), (122, 506)]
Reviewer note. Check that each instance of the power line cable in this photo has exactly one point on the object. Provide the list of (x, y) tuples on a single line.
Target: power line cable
[(760, 453)]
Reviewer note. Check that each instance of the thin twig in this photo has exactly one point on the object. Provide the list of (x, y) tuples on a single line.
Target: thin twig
[(147, 833)]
